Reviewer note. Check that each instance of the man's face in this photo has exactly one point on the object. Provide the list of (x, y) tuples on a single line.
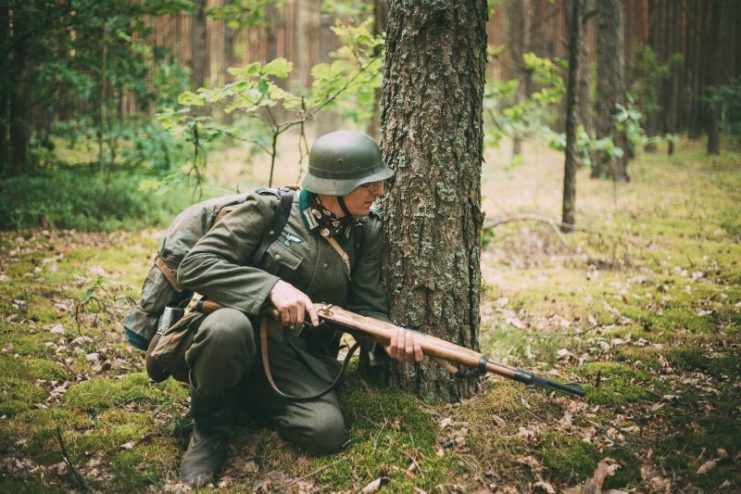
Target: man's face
[(360, 200)]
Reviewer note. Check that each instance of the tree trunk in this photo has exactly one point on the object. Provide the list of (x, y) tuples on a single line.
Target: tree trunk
[(18, 125), (569, 177), (432, 135), (610, 88), (380, 15), (713, 52), (518, 15), (584, 100), (198, 45), (4, 82)]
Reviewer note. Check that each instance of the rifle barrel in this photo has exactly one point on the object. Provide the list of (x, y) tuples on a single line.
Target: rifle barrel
[(432, 346)]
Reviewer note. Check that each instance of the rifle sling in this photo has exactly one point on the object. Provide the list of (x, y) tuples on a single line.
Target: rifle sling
[(168, 273), (264, 321)]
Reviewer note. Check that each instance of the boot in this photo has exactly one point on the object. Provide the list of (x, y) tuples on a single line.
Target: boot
[(212, 422)]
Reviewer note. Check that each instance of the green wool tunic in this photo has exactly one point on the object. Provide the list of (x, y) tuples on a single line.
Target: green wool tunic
[(218, 266)]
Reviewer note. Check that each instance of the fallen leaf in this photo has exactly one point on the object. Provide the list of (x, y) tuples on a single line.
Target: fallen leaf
[(543, 486), (57, 329), (707, 467), (375, 485)]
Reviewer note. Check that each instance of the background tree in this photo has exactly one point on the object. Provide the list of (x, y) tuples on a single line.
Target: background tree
[(432, 136), (572, 91), (198, 44), (610, 90)]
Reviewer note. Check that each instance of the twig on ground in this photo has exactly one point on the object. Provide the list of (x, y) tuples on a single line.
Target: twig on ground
[(318, 470), (500, 220), (79, 480)]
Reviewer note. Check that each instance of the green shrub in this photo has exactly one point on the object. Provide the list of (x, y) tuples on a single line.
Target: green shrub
[(85, 200)]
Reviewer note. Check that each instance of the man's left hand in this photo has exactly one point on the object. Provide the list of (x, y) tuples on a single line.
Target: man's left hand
[(404, 347)]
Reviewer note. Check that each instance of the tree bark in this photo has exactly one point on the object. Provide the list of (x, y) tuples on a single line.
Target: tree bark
[(432, 135), (380, 15), (198, 44), (569, 178), (610, 88)]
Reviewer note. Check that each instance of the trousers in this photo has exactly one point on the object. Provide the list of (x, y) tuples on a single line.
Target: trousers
[(224, 357)]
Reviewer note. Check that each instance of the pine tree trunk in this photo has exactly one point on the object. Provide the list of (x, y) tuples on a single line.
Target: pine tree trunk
[(432, 135), (572, 89), (714, 51), (4, 83), (18, 128), (610, 88), (198, 44), (518, 16), (380, 15)]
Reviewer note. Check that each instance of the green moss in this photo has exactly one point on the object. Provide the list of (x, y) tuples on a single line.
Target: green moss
[(629, 471), (30, 369), (687, 358), (113, 428), (17, 396), (569, 458), (28, 486), (106, 393), (618, 384)]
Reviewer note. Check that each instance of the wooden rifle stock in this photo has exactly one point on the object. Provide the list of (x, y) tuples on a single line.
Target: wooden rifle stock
[(382, 331), (437, 348)]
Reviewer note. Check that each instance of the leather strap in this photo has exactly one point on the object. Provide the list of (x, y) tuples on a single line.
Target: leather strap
[(168, 273), (276, 226), (341, 252), (264, 321)]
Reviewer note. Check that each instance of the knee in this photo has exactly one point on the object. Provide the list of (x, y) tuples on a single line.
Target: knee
[(227, 329), (222, 352), (325, 434)]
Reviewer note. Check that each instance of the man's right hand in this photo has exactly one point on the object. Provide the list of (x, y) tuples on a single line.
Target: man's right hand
[(292, 304)]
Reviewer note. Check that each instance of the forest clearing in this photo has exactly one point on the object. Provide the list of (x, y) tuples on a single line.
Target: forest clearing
[(538, 202), (643, 308)]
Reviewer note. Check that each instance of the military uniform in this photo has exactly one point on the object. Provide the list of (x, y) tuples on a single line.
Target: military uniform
[(223, 357)]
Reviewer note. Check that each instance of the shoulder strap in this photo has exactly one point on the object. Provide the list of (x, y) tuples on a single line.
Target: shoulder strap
[(358, 235), (277, 224)]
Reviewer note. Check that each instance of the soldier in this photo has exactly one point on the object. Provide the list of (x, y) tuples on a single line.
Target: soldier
[(318, 257)]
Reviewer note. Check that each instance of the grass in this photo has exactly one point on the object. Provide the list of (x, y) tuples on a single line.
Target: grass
[(643, 309)]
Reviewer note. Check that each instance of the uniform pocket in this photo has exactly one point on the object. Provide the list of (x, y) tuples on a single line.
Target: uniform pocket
[(282, 256)]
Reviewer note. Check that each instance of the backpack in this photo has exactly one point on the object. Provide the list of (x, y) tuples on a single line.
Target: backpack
[(161, 289)]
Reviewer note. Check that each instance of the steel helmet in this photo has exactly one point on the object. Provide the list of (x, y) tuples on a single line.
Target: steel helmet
[(341, 161)]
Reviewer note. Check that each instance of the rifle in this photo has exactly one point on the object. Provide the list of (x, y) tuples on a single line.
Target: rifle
[(441, 350)]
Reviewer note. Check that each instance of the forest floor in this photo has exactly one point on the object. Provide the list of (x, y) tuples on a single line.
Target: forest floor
[(642, 306)]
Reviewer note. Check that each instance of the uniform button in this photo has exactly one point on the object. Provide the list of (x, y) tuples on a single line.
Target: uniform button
[(277, 256), (325, 265)]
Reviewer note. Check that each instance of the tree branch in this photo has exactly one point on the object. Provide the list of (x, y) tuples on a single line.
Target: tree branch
[(79, 480)]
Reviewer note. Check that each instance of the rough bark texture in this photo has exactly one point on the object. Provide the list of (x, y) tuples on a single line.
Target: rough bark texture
[(569, 177), (432, 136), (610, 87)]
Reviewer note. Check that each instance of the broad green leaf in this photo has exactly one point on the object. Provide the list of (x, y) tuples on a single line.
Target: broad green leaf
[(246, 72), (190, 98), (280, 67)]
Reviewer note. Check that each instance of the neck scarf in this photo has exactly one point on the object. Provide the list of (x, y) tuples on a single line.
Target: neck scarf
[(330, 225)]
